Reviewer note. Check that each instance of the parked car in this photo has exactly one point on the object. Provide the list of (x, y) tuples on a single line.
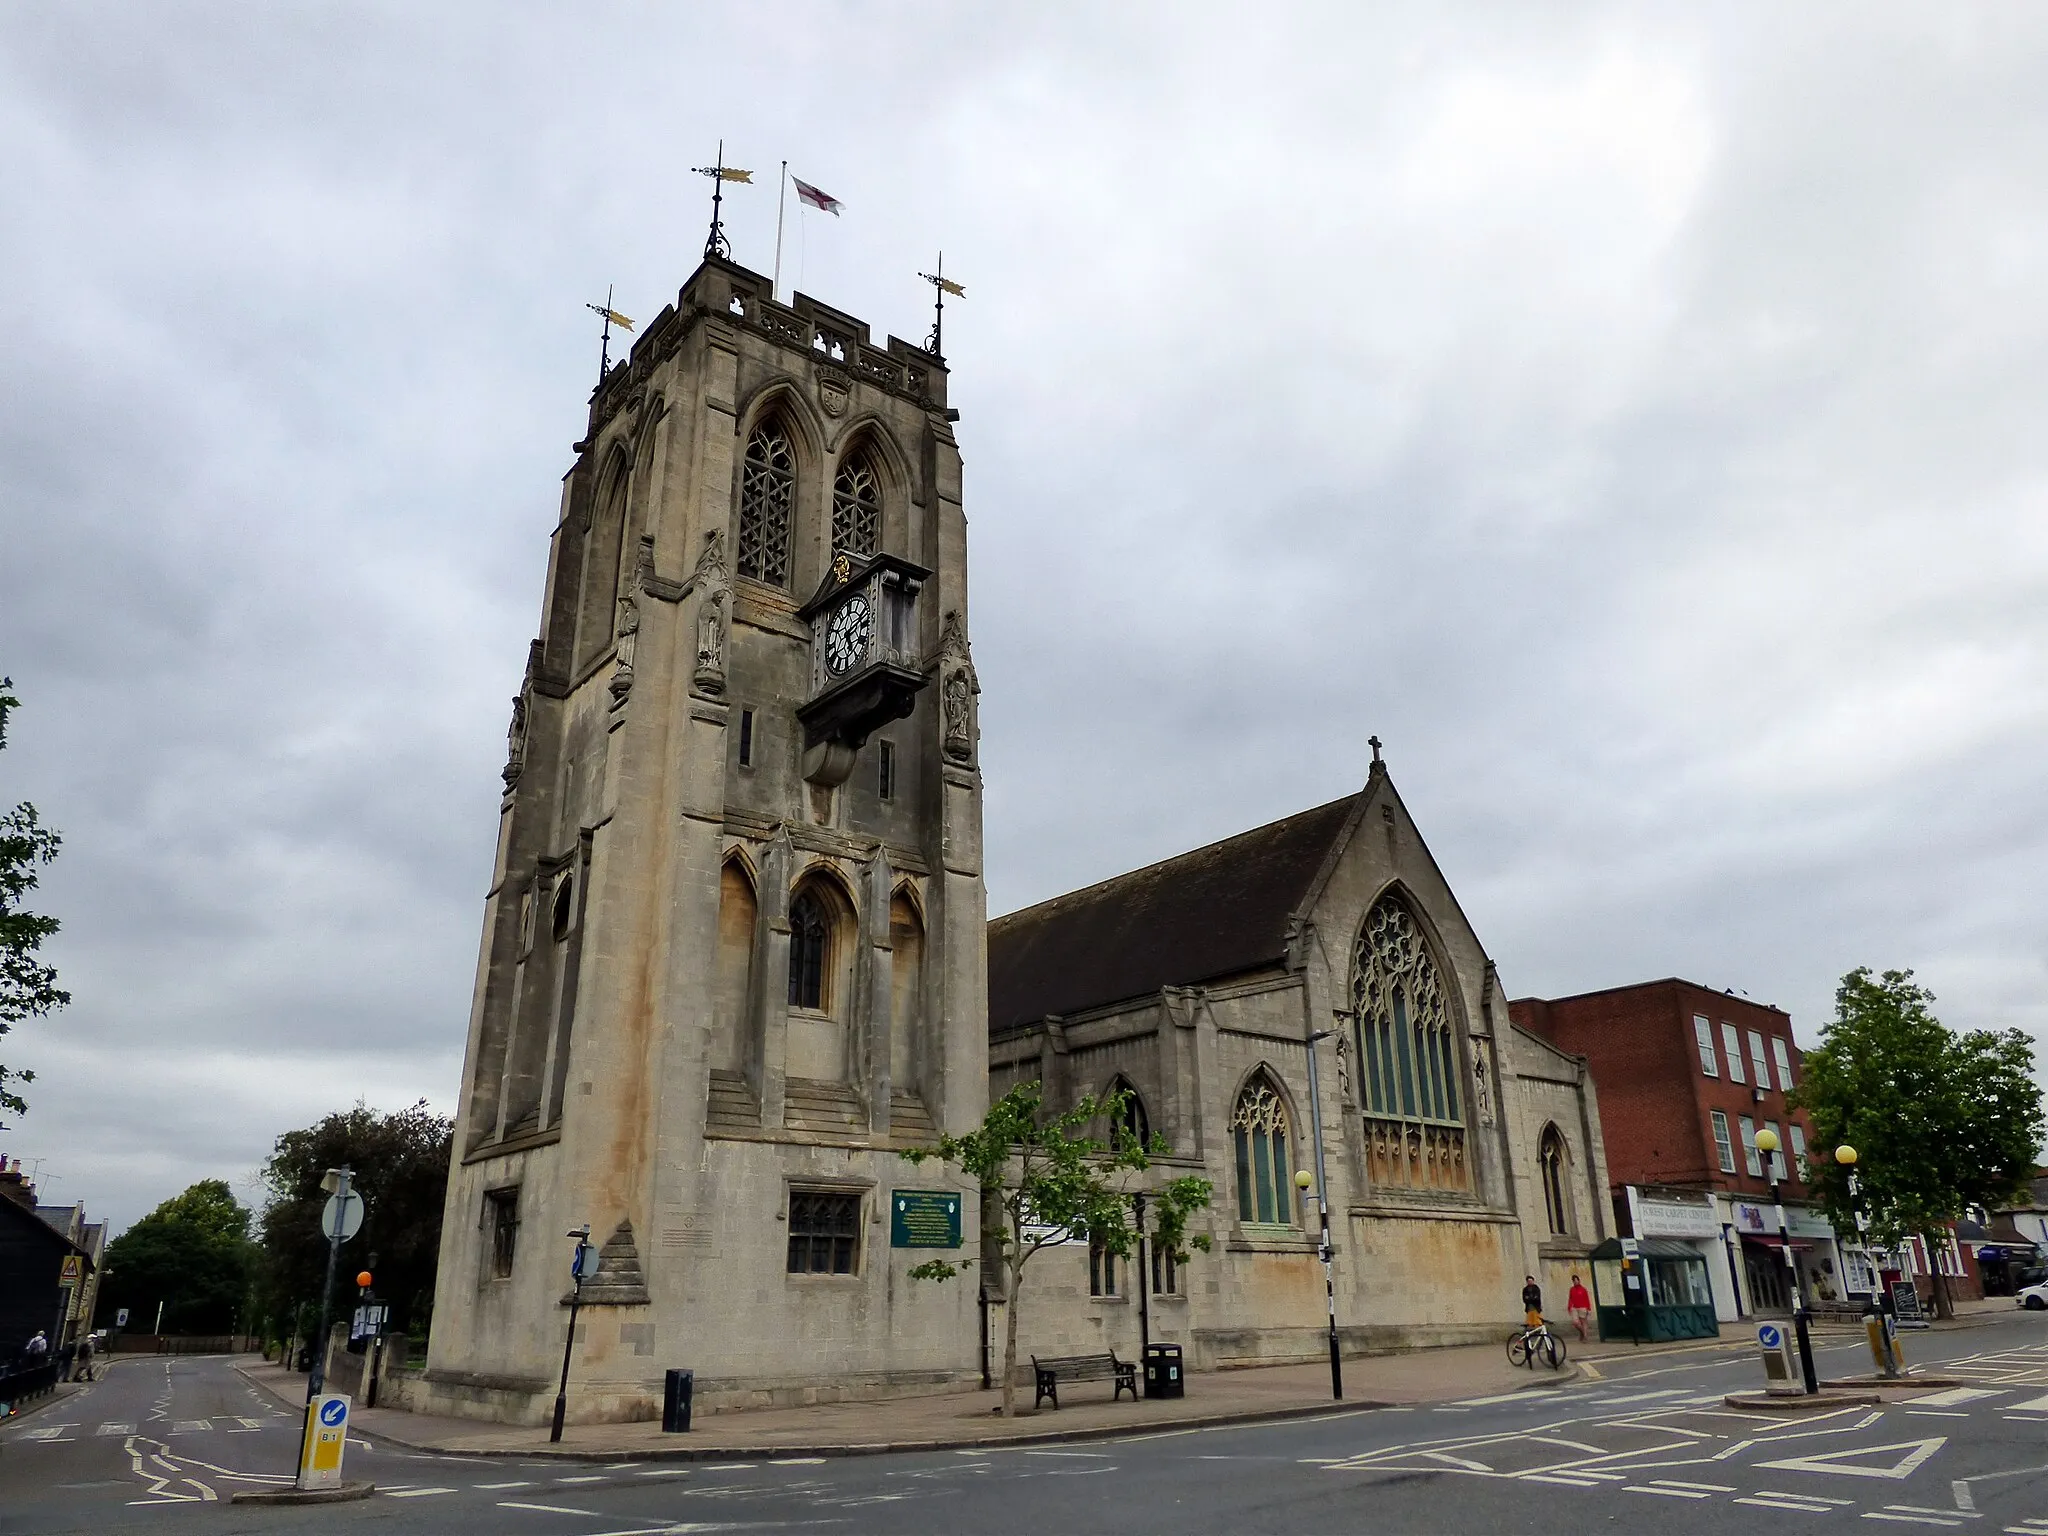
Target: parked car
[(2034, 1297)]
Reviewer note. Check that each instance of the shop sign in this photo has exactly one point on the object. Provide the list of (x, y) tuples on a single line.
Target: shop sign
[(1671, 1218), (1762, 1220)]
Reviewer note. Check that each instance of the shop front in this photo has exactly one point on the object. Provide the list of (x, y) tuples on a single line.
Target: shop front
[(1688, 1217), (1816, 1257)]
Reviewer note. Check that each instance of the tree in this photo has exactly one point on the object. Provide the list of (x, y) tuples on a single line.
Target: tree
[(1046, 1180), (28, 988), (191, 1256), (1940, 1122), (399, 1163)]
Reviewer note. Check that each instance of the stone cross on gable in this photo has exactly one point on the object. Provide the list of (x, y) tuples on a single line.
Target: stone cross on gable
[(1374, 743)]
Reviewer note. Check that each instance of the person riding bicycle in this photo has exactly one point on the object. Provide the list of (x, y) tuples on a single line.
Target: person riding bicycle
[(1532, 1302)]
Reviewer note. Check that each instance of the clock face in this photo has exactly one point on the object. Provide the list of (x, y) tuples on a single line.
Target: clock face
[(846, 637)]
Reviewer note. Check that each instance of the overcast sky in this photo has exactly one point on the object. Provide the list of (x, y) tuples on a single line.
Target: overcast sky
[(1632, 414)]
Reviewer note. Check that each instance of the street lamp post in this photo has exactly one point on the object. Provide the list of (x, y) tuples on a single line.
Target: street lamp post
[(1767, 1143), (576, 1267), (1876, 1325), (1302, 1181)]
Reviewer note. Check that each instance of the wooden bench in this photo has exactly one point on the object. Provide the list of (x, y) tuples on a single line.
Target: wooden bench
[(1051, 1371)]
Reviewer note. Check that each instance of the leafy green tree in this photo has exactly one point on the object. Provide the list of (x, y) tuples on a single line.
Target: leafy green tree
[(28, 988), (1940, 1122), (399, 1163), (1047, 1179), (191, 1255)]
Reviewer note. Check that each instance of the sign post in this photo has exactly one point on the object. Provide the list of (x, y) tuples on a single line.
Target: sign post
[(579, 1266), (340, 1220)]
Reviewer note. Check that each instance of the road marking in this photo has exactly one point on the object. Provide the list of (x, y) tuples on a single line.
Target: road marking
[(1963, 1498), (1637, 1397), (594, 1478), (547, 1509), (500, 1487), (1924, 1510), (1569, 1482), (1878, 1514), (191, 1426), (1507, 1397), (54, 1434), (1789, 1503), (666, 1472), (1672, 1482), (1917, 1454), (819, 1461), (1956, 1397), (2031, 1405), (411, 1493), (1669, 1493)]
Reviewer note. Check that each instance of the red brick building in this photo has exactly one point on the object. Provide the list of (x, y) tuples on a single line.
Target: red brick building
[(1687, 1076)]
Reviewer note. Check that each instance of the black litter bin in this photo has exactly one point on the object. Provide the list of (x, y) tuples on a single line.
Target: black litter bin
[(675, 1402), (1163, 1376)]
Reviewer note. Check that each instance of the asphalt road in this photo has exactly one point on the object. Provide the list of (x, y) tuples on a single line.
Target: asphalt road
[(161, 1446)]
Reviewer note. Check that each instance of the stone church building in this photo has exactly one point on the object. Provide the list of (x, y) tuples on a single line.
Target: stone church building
[(735, 954), (1461, 1152)]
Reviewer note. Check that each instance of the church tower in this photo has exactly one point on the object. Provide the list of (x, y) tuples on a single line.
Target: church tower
[(734, 951)]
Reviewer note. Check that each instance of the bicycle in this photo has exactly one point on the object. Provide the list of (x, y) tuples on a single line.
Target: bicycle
[(1538, 1343)]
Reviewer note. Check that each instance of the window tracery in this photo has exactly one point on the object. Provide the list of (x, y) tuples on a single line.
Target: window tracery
[(1550, 1159), (1407, 1051), (1258, 1128), (810, 950), (767, 492), (856, 508)]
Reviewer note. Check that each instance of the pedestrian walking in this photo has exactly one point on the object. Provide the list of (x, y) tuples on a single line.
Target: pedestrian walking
[(1580, 1306), (1532, 1302), (36, 1351), (85, 1354)]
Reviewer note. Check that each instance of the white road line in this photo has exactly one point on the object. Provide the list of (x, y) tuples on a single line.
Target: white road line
[(1879, 1514), (594, 1478), (499, 1487), (113, 1428), (1569, 1482), (411, 1493), (1672, 1482), (2031, 1405), (1810, 1509), (547, 1509), (819, 1461), (1669, 1493), (665, 1472), (1955, 1397)]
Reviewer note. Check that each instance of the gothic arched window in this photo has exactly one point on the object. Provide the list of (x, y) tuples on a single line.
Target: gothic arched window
[(1550, 1160), (856, 507), (810, 951), (1407, 1053), (767, 491), (1133, 1118), (1265, 1191)]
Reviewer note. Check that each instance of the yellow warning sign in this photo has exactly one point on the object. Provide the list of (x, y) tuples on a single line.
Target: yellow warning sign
[(326, 1438), (74, 1270)]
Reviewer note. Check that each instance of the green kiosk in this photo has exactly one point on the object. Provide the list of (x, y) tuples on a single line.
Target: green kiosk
[(1663, 1294)]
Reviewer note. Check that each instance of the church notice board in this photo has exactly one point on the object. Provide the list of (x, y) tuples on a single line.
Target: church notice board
[(924, 1218)]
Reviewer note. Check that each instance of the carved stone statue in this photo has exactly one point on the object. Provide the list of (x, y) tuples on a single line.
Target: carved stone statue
[(957, 688), (515, 742), (628, 633), (1482, 1091), (711, 614)]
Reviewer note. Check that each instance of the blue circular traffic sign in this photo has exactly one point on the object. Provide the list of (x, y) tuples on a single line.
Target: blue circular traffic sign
[(332, 1412), (1770, 1336)]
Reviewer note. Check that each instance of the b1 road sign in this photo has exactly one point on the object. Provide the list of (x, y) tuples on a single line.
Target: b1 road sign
[(1771, 1336)]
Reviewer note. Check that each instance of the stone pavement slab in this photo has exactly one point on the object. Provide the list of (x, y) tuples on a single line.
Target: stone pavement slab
[(963, 1419)]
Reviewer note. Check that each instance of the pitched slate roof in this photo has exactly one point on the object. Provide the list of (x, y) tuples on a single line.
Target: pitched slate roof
[(1218, 911)]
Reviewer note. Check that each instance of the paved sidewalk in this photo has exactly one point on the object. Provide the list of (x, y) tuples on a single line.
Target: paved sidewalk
[(961, 1419)]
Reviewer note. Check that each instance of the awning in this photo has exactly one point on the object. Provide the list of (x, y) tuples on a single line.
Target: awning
[(1799, 1244)]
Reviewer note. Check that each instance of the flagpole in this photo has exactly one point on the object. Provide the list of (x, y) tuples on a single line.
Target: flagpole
[(781, 202)]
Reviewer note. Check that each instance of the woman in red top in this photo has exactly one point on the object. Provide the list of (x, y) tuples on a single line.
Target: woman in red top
[(1580, 1306)]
